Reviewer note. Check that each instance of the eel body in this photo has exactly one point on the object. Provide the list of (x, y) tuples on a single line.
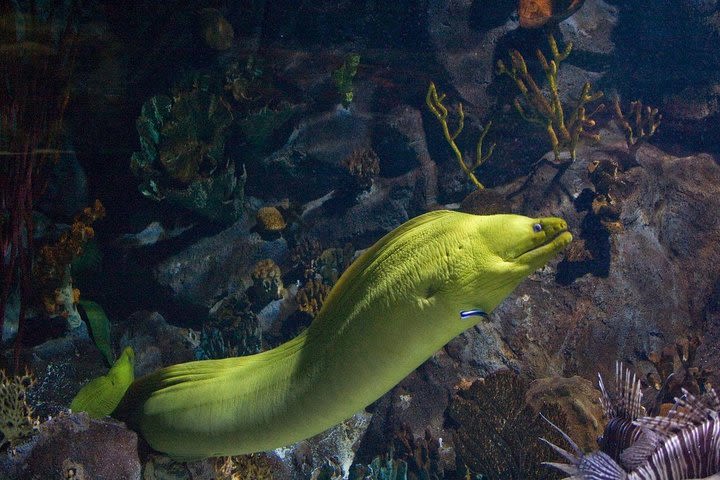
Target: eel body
[(395, 306)]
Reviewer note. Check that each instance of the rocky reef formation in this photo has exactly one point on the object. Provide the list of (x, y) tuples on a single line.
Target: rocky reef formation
[(301, 143)]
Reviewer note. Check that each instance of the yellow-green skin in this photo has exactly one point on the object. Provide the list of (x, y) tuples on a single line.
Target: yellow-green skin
[(101, 395), (390, 311)]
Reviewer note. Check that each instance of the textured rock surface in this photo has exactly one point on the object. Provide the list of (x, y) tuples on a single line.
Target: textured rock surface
[(75, 446), (660, 283), (155, 342), (218, 264)]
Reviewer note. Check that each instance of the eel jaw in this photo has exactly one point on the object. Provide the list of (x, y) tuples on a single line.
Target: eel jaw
[(539, 255)]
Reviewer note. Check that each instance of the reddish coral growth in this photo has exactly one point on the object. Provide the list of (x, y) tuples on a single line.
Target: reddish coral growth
[(51, 270)]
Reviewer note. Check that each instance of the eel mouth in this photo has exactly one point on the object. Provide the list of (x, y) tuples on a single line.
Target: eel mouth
[(557, 239)]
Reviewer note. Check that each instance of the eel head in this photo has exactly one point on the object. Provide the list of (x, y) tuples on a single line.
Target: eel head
[(498, 251)]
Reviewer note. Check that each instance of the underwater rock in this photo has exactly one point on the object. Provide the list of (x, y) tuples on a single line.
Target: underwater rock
[(577, 399), (218, 264), (78, 447), (61, 366), (591, 28), (337, 444), (665, 261), (466, 54), (485, 202), (155, 342)]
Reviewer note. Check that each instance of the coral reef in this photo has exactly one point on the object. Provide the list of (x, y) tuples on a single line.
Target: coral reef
[(270, 222), (363, 166), (39, 47), (17, 422), (564, 131), (577, 399), (244, 467), (497, 431), (267, 284), (183, 157), (434, 101), (52, 269), (638, 124), (310, 297), (233, 329), (332, 262)]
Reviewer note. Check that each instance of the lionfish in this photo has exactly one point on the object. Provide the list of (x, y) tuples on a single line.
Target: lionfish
[(683, 445), (620, 437)]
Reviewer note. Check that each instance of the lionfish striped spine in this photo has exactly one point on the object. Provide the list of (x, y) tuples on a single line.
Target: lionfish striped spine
[(686, 445), (621, 409)]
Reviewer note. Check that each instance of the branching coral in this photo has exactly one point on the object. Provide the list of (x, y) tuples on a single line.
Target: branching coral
[(547, 111), (639, 124), (16, 416), (434, 103)]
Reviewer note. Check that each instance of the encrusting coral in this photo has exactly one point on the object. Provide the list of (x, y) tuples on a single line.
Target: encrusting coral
[(434, 103), (243, 467), (270, 221), (564, 132), (16, 416), (364, 166), (311, 297), (267, 283)]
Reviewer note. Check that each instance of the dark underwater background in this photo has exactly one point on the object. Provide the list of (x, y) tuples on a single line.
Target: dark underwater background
[(191, 178)]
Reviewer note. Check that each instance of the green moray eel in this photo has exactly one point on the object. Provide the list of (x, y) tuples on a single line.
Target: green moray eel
[(101, 395), (395, 306)]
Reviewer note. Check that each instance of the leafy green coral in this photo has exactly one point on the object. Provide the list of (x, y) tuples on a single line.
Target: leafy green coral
[(182, 158), (343, 78)]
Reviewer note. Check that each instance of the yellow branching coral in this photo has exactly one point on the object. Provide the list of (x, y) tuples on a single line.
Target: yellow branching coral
[(547, 111), (434, 103), (640, 122), (16, 416)]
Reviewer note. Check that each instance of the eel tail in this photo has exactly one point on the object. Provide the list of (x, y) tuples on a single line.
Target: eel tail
[(101, 396)]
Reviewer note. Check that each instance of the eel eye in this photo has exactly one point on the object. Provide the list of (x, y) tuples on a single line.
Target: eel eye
[(537, 228)]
